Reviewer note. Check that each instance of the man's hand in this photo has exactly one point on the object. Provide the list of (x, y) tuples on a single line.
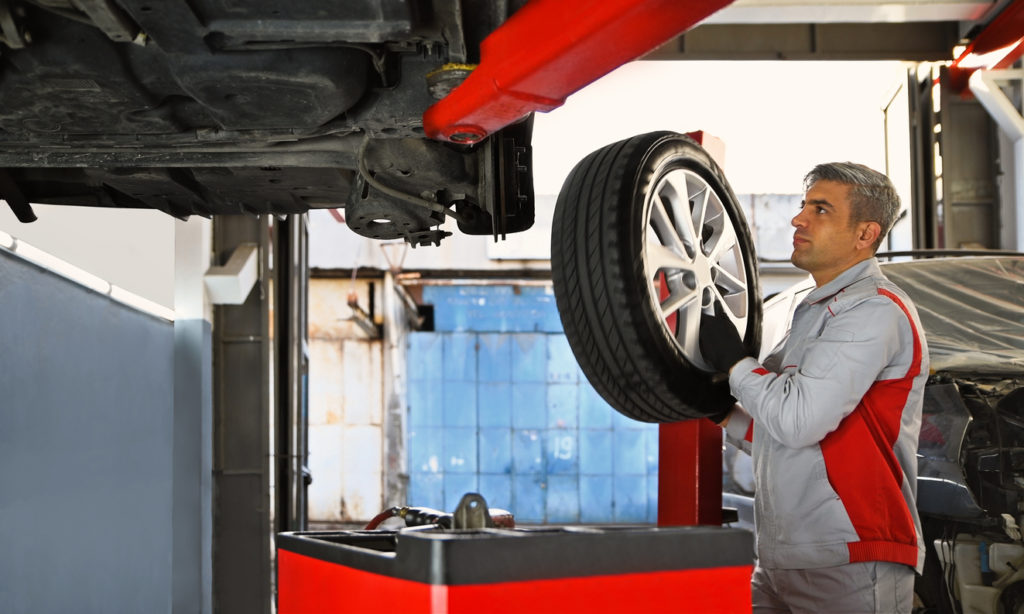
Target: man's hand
[(720, 343), (721, 418)]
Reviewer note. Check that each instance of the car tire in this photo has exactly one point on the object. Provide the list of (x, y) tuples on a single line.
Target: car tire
[(631, 274)]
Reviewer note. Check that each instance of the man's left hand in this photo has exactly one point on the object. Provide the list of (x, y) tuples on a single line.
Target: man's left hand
[(719, 341)]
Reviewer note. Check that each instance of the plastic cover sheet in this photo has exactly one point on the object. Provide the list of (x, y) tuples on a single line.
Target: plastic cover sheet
[(972, 310)]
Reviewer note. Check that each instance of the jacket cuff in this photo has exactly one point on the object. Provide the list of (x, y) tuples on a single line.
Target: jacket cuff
[(739, 425), (742, 369)]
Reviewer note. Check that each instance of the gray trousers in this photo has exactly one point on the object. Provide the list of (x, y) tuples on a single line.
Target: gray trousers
[(856, 588)]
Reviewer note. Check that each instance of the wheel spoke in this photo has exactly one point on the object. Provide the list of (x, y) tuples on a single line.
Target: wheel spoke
[(665, 230), (689, 332), (681, 210), (728, 280), (661, 258), (677, 300), (701, 213), (725, 240)]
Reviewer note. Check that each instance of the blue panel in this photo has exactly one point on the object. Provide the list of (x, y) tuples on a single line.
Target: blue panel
[(619, 422), (651, 444), (497, 490), (495, 308), (495, 450), (596, 498), (459, 450), (424, 400), (563, 499), (561, 367), (459, 404), (527, 452), (562, 402), (495, 358), (652, 498), (529, 406), (631, 498), (596, 452), (426, 490), (453, 308), (455, 486), (459, 357), (529, 358), (629, 452), (562, 451), (426, 449), (551, 322), (424, 357), (494, 404), (528, 497), (595, 413)]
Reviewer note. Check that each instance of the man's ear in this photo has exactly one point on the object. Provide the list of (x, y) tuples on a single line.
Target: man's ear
[(869, 232)]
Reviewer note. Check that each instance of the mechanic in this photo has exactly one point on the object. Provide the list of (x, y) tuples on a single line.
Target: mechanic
[(832, 416)]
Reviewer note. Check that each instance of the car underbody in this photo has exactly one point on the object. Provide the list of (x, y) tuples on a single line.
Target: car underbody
[(206, 107)]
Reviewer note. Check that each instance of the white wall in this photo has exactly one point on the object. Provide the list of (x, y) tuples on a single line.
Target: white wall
[(130, 248)]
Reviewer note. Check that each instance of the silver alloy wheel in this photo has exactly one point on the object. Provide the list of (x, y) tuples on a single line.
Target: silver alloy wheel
[(692, 259), (646, 234)]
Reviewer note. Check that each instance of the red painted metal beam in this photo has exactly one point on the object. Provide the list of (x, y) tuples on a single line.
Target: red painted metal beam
[(997, 46), (549, 49), (690, 473)]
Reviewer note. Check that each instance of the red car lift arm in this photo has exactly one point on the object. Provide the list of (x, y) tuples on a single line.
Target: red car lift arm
[(998, 45), (549, 49)]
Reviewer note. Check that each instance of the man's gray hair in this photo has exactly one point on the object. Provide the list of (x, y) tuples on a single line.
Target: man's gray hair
[(873, 197)]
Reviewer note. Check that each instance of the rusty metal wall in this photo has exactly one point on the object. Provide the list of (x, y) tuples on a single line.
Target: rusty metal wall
[(346, 406)]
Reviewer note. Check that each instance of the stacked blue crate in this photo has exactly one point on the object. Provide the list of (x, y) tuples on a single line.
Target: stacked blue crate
[(498, 405)]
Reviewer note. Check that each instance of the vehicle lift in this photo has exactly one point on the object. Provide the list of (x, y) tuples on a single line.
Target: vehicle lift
[(572, 43)]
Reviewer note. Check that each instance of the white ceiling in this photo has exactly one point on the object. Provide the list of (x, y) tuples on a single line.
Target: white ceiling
[(852, 11)]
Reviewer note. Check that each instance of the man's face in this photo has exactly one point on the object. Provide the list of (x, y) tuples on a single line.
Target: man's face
[(825, 243)]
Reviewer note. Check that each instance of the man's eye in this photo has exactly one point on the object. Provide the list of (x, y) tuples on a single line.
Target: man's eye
[(821, 210)]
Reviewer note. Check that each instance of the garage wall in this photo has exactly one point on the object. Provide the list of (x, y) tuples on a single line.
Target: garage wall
[(86, 449), (346, 406), (498, 405)]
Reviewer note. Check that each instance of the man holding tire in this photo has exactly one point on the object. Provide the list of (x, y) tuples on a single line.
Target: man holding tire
[(832, 416)]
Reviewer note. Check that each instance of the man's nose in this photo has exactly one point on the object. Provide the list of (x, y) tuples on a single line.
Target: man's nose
[(798, 219)]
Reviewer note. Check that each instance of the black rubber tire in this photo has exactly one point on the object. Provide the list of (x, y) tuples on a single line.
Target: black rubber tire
[(605, 304)]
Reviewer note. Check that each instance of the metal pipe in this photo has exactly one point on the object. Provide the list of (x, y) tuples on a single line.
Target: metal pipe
[(984, 85), (396, 461)]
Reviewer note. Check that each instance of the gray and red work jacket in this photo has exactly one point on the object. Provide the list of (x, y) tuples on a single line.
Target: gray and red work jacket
[(833, 417)]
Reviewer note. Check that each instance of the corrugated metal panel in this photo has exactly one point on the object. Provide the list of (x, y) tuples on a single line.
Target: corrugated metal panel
[(497, 404)]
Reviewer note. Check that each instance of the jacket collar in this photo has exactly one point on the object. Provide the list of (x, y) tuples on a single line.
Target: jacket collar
[(861, 270)]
